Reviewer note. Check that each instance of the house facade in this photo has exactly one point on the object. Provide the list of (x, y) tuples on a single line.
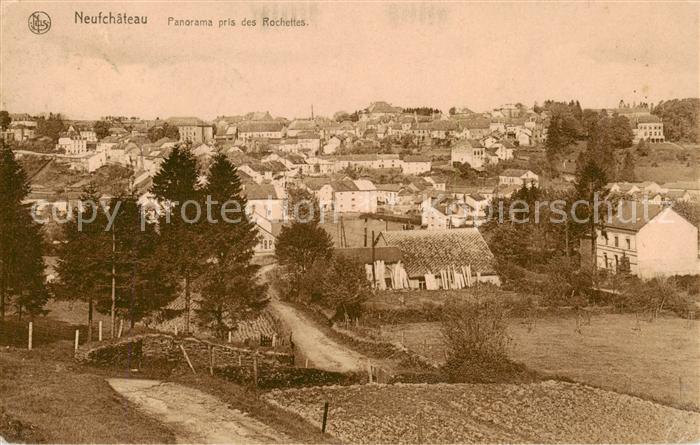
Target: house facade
[(649, 241)]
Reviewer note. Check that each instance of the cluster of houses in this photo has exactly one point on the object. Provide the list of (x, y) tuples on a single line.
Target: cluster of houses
[(273, 155), (679, 191)]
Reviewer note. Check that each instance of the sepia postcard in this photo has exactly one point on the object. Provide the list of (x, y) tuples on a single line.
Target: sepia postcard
[(243, 222)]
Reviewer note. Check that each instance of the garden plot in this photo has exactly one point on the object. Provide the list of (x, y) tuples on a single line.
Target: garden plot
[(546, 412)]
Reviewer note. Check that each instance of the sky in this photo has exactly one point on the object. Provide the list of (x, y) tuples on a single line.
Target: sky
[(475, 55)]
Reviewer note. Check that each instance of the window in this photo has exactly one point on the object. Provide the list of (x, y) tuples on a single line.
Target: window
[(617, 242), (605, 258), (629, 243)]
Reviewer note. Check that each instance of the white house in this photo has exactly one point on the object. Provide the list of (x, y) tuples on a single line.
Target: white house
[(265, 200), (415, 165), (72, 145), (469, 152), (650, 240), (513, 176), (358, 196)]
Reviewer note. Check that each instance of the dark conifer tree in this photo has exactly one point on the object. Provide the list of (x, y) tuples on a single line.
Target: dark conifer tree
[(21, 264), (176, 187), (229, 286), (84, 271)]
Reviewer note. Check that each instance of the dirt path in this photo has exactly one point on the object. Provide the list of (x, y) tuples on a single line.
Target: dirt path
[(196, 417), (322, 352)]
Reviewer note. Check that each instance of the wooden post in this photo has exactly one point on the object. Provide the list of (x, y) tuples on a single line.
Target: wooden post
[(121, 326), (187, 358), (274, 340), (255, 372), (369, 370), (229, 336), (240, 360), (306, 363), (99, 330), (325, 416), (211, 360), (176, 331), (77, 338), (31, 333), (420, 427)]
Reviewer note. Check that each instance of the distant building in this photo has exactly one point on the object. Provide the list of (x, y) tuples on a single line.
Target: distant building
[(517, 177), (415, 165), (358, 196), (260, 130), (192, 129), (648, 128), (470, 152)]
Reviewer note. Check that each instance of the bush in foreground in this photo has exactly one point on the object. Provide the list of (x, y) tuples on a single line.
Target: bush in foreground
[(477, 343)]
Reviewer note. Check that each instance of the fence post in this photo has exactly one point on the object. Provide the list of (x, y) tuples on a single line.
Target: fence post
[(187, 358), (229, 336), (77, 339), (211, 360), (121, 326), (255, 372), (420, 427), (31, 333), (99, 330), (325, 416), (274, 340)]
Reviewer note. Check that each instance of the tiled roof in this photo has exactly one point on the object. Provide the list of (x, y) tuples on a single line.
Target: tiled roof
[(344, 186), (260, 192), (363, 255), (633, 215), (513, 172), (186, 121), (429, 251), (260, 127), (417, 158)]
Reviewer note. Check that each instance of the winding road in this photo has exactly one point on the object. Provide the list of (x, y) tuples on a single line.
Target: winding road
[(322, 352)]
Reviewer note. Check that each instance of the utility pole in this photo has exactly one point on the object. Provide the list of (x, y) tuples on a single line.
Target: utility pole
[(114, 281)]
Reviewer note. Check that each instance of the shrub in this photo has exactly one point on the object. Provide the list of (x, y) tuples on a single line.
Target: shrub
[(652, 297), (476, 340)]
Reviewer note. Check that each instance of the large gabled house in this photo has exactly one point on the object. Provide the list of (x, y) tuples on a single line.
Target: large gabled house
[(647, 240)]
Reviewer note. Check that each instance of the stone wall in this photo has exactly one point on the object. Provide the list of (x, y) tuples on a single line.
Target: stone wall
[(149, 349)]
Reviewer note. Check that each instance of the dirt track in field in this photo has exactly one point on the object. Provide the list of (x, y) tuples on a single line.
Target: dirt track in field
[(195, 417), (322, 352)]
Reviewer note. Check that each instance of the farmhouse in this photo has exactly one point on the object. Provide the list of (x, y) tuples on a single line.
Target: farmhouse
[(443, 259), (388, 272), (648, 240)]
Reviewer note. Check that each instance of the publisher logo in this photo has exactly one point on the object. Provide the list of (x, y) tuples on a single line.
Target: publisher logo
[(39, 22)]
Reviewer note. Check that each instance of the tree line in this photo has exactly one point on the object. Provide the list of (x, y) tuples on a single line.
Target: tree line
[(132, 267)]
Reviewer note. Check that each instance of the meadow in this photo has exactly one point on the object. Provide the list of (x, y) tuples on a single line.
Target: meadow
[(659, 360)]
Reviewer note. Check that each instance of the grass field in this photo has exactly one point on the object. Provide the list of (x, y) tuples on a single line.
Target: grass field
[(659, 360), (56, 401), (46, 397)]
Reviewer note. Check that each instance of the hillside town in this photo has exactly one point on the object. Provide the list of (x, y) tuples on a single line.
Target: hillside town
[(349, 222), (383, 162)]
